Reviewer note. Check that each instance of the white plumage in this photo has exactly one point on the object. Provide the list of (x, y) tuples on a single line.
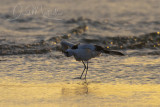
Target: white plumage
[(84, 52)]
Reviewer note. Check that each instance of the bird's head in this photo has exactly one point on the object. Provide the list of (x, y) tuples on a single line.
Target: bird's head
[(68, 53)]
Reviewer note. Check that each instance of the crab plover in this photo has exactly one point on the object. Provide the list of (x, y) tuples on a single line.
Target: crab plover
[(84, 52)]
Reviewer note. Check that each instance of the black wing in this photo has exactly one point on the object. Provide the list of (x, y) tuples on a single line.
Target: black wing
[(101, 49)]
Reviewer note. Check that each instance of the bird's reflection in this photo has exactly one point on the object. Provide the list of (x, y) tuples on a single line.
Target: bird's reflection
[(80, 88)]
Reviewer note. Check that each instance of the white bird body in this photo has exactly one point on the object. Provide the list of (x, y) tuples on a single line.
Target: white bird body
[(84, 52)]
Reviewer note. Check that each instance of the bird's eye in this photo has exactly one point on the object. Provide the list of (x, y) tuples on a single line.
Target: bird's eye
[(66, 52)]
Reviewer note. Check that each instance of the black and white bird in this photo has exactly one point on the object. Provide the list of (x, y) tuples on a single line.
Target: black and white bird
[(84, 52)]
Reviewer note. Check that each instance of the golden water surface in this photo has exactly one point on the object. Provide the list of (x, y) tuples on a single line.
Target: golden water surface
[(33, 81), (79, 94)]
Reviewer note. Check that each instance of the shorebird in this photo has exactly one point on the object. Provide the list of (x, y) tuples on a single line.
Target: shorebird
[(84, 52)]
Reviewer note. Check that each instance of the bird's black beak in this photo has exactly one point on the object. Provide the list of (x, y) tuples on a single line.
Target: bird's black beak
[(66, 54)]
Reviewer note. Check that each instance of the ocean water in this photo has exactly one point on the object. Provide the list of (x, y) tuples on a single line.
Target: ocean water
[(34, 71)]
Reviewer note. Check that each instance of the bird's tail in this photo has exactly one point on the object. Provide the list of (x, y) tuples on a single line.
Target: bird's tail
[(113, 52)]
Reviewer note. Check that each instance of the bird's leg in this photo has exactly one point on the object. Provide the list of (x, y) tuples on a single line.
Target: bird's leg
[(86, 70), (83, 69)]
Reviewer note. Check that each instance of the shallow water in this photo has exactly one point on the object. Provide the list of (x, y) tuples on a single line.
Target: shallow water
[(45, 80), (78, 94), (34, 72)]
